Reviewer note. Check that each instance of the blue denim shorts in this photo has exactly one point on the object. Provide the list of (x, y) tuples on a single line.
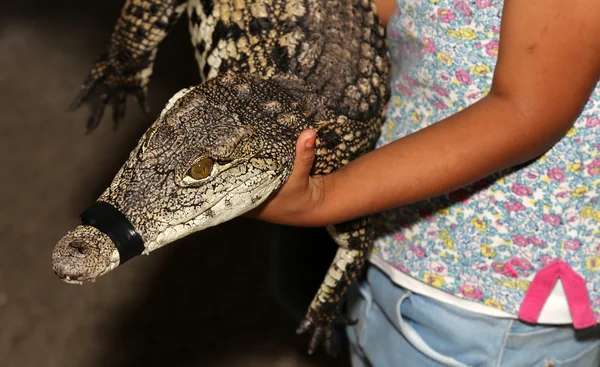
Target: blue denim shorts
[(399, 328)]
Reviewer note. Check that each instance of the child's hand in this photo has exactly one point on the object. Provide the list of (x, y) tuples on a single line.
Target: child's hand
[(300, 197)]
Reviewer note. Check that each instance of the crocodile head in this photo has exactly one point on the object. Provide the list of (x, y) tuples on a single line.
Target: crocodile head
[(217, 151)]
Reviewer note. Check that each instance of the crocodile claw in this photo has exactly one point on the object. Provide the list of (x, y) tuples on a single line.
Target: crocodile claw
[(97, 96), (321, 333), (140, 95)]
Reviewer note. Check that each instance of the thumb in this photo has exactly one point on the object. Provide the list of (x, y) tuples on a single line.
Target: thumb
[(305, 154)]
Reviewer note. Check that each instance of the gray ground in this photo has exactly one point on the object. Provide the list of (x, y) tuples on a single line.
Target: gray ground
[(201, 302)]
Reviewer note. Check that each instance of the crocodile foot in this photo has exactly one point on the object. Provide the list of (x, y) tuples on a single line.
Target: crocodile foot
[(97, 96), (321, 332), (114, 76)]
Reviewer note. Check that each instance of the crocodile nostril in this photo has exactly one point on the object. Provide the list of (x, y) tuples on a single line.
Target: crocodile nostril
[(80, 246)]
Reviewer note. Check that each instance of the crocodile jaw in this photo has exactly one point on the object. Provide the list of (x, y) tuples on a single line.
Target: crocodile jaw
[(241, 202)]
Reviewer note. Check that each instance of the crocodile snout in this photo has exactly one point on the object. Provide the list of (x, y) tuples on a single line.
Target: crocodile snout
[(83, 255)]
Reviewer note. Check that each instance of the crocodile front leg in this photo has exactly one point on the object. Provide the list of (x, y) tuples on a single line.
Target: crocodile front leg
[(355, 239), (125, 65)]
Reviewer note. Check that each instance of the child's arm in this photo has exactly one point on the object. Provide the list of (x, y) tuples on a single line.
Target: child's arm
[(549, 62)]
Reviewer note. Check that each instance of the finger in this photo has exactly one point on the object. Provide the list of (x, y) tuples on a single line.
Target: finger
[(305, 154)]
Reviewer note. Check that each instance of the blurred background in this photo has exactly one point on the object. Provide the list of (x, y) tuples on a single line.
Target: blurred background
[(203, 301)]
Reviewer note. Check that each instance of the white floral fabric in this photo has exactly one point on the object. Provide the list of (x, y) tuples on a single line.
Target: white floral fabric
[(486, 241)]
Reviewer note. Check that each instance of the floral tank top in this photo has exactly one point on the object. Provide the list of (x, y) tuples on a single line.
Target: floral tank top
[(505, 241)]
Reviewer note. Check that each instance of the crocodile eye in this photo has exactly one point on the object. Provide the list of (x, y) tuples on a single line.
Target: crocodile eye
[(201, 169)]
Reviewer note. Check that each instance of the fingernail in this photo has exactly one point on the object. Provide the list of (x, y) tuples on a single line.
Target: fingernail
[(310, 143)]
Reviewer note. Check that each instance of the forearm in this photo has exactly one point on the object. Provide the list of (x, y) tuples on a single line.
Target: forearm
[(489, 136), (545, 72)]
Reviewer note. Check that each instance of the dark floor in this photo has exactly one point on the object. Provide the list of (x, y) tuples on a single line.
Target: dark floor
[(203, 301)]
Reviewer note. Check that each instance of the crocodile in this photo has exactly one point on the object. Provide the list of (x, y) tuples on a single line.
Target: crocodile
[(270, 70)]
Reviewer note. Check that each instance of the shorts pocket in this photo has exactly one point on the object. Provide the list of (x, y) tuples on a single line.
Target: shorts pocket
[(417, 342)]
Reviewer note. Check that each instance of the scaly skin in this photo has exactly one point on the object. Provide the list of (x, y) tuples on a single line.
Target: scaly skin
[(273, 69)]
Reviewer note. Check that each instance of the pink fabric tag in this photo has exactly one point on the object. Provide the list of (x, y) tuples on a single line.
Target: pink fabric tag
[(575, 291)]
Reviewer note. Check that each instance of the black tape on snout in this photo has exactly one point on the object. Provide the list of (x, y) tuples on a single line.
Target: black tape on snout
[(110, 221)]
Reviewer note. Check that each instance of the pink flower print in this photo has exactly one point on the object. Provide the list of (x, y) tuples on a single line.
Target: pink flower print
[(463, 77), (470, 291), (411, 81), (483, 3), (439, 268), (572, 217), (545, 259), (401, 267), (505, 269), (592, 121), (521, 190), (463, 8), (446, 15), (402, 89), (480, 267), (428, 45), (532, 240), (556, 174), (418, 251), (594, 167), (473, 96), (440, 105), (514, 206), (552, 219), (399, 236), (521, 264), (519, 240), (440, 90), (492, 48), (533, 175), (572, 244), (495, 29), (442, 75), (562, 196)]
